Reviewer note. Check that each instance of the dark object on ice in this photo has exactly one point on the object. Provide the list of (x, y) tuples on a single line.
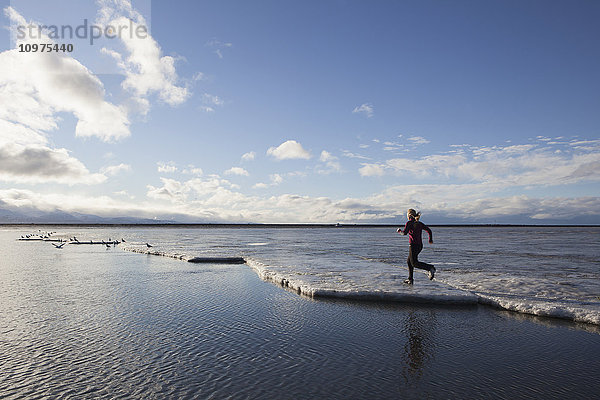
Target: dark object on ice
[(90, 242), (218, 260), (148, 245)]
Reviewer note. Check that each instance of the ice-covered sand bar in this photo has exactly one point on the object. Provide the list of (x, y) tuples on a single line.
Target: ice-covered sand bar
[(383, 286), (384, 282), (348, 276), (358, 280)]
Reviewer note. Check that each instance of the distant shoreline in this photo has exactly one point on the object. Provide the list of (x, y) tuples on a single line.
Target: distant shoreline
[(257, 225)]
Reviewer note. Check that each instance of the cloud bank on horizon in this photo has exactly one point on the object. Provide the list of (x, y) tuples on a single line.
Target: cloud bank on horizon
[(77, 141)]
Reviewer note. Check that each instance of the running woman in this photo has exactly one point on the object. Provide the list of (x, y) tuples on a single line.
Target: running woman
[(414, 228)]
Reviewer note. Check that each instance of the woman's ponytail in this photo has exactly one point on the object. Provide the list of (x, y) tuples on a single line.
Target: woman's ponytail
[(412, 213)]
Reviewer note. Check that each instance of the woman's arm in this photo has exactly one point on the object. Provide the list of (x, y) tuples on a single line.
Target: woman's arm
[(405, 230), (426, 229)]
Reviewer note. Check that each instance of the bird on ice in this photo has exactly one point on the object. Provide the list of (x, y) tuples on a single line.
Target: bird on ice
[(59, 246), (148, 244)]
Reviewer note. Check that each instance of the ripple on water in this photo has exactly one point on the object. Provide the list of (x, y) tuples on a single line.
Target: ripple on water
[(109, 324)]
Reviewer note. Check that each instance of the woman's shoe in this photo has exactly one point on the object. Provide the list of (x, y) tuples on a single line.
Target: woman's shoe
[(431, 272)]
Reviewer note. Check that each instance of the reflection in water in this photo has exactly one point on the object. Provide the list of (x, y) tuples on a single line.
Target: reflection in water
[(84, 322), (420, 328)]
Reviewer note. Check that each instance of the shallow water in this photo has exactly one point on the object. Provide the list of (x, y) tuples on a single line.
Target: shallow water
[(546, 271), (94, 322)]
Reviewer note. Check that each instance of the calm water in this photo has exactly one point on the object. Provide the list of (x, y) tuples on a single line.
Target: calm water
[(543, 271), (93, 322)]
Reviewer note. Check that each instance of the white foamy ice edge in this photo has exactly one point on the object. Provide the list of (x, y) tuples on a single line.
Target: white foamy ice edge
[(513, 294), (426, 292), (435, 292), (153, 252), (543, 308)]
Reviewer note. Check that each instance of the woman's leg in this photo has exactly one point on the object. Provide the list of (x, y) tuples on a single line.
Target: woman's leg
[(409, 263), (413, 258)]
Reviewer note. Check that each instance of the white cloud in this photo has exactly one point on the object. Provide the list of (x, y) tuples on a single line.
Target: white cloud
[(371, 170), (25, 157), (392, 146), (23, 200), (210, 102), (113, 170), (365, 109), (19, 134), (192, 170), (275, 180), (437, 164), (326, 156), (172, 190), (237, 171), (146, 70), (34, 87), (509, 166), (210, 191), (124, 193), (289, 150), (166, 167), (249, 156), (214, 100), (300, 174), (41, 164), (349, 154), (331, 163), (418, 140), (477, 202), (214, 199)]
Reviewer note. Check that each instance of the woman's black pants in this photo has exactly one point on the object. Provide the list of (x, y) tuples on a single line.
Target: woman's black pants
[(413, 260)]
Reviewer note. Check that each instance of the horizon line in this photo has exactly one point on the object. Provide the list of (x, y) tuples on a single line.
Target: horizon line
[(280, 225)]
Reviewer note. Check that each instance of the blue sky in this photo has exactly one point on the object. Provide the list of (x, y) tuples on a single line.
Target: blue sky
[(313, 111)]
